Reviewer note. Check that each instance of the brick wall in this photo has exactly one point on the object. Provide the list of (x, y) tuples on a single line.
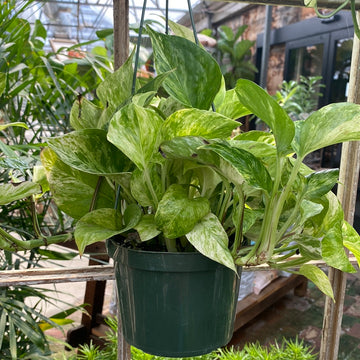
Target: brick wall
[(254, 17)]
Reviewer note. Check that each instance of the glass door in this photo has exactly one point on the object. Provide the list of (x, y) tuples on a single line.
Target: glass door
[(307, 57)]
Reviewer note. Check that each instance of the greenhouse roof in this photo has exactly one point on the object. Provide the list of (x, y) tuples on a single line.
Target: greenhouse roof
[(78, 20)]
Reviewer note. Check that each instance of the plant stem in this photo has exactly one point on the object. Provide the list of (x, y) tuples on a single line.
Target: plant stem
[(225, 200), (10, 242), (239, 226), (151, 188), (171, 245), (260, 250)]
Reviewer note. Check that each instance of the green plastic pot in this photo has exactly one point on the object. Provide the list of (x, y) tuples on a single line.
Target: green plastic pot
[(174, 304)]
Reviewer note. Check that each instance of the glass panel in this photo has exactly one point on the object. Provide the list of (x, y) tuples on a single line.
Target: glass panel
[(306, 61), (341, 72)]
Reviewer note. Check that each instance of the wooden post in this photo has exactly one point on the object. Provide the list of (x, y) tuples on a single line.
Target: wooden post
[(347, 190), (121, 31), (121, 53)]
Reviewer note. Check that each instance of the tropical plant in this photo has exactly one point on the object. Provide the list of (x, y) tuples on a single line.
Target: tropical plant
[(38, 89), (234, 55), (300, 98), (166, 175), (35, 86), (288, 349)]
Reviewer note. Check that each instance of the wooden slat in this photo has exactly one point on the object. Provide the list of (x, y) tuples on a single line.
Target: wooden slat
[(58, 275), (88, 273)]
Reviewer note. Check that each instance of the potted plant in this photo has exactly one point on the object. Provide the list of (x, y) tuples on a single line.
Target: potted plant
[(154, 171)]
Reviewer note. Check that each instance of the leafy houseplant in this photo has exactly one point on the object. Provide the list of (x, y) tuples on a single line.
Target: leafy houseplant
[(234, 55), (162, 173)]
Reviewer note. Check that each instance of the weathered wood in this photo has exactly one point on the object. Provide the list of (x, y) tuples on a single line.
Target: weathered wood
[(89, 273), (347, 191), (121, 31), (121, 53), (326, 4), (56, 275)]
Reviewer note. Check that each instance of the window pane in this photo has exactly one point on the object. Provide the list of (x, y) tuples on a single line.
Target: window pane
[(306, 61), (341, 72)]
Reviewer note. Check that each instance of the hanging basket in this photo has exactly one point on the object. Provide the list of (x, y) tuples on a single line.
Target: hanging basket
[(174, 304)]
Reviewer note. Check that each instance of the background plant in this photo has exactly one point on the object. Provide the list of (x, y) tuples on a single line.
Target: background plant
[(300, 98), (37, 89), (287, 349), (234, 55)]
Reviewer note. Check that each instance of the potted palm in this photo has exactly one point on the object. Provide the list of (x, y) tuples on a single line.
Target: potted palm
[(154, 171)]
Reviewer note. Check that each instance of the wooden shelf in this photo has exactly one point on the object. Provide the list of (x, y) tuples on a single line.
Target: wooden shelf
[(252, 305)]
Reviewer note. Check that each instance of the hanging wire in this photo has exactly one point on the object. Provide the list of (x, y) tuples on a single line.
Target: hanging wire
[(138, 47), (167, 17), (192, 22)]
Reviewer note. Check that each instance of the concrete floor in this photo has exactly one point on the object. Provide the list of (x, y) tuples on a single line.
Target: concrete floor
[(302, 317)]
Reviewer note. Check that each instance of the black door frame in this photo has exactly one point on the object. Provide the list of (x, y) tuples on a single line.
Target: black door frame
[(309, 32)]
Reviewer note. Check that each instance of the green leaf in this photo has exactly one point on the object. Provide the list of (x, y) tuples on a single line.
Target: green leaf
[(247, 165), (147, 228), (20, 124), (139, 187), (12, 192), (143, 99), (333, 252), (320, 183), (351, 240), (318, 277), (257, 148), (332, 248), (230, 106), (85, 115), (73, 190), (3, 318), (309, 209), (103, 224), (135, 131), (177, 214), (226, 32), (61, 322), (2, 85), (309, 246), (241, 48), (332, 124), (209, 238), (154, 84), (39, 34), (185, 147), (194, 122), (88, 150), (181, 31), (197, 77), (56, 255), (117, 87), (240, 31), (260, 103)]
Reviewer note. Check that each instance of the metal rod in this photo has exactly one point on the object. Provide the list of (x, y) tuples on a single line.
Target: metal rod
[(266, 47), (347, 190)]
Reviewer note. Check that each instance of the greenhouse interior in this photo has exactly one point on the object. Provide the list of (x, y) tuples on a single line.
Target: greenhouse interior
[(179, 180)]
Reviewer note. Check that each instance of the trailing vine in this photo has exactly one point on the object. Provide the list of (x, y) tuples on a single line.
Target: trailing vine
[(314, 5)]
